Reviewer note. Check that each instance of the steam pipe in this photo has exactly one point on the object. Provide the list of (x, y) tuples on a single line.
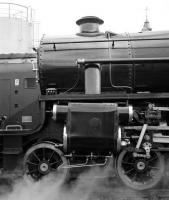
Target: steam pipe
[(58, 109), (92, 79), (125, 113)]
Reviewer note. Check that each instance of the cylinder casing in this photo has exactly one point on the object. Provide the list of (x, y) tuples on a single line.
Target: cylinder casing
[(91, 128)]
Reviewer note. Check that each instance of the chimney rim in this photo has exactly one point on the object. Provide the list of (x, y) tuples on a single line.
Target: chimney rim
[(89, 19)]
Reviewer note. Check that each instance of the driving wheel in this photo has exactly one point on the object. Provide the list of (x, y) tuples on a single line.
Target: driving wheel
[(140, 173), (43, 158)]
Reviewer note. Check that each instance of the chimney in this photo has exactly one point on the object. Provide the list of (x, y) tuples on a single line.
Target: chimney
[(89, 26)]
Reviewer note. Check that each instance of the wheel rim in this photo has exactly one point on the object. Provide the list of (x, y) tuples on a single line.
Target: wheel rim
[(140, 173), (41, 159)]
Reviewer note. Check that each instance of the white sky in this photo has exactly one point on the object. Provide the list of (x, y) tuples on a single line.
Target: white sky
[(59, 16)]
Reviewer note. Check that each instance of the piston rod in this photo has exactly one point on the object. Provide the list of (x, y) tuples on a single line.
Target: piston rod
[(141, 136)]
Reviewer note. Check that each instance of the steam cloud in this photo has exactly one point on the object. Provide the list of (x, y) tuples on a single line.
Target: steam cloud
[(91, 185)]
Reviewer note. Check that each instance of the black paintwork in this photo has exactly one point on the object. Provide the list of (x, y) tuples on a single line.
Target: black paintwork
[(58, 67)]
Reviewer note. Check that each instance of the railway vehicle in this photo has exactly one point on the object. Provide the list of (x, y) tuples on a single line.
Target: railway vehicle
[(91, 98)]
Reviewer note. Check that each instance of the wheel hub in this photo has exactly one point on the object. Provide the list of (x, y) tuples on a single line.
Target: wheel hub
[(44, 167), (140, 165)]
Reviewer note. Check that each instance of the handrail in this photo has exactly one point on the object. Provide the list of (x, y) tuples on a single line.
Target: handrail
[(14, 10), (14, 4), (14, 127), (82, 61)]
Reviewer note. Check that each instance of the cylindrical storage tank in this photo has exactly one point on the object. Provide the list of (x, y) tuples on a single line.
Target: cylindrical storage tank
[(16, 29)]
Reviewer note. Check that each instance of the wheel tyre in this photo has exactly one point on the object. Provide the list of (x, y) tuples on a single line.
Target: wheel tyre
[(41, 164), (136, 184)]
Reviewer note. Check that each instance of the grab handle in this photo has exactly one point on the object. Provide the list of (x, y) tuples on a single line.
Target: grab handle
[(13, 127)]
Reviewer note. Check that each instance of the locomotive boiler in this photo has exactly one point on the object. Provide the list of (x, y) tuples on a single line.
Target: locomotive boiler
[(104, 96)]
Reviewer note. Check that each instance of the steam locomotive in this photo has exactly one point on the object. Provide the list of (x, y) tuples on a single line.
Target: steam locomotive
[(90, 98)]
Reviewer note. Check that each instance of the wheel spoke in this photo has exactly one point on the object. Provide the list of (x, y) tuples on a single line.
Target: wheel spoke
[(56, 162), (129, 171), (31, 163), (35, 155), (134, 177), (152, 167), (32, 171), (51, 156), (43, 152), (127, 163), (152, 159)]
